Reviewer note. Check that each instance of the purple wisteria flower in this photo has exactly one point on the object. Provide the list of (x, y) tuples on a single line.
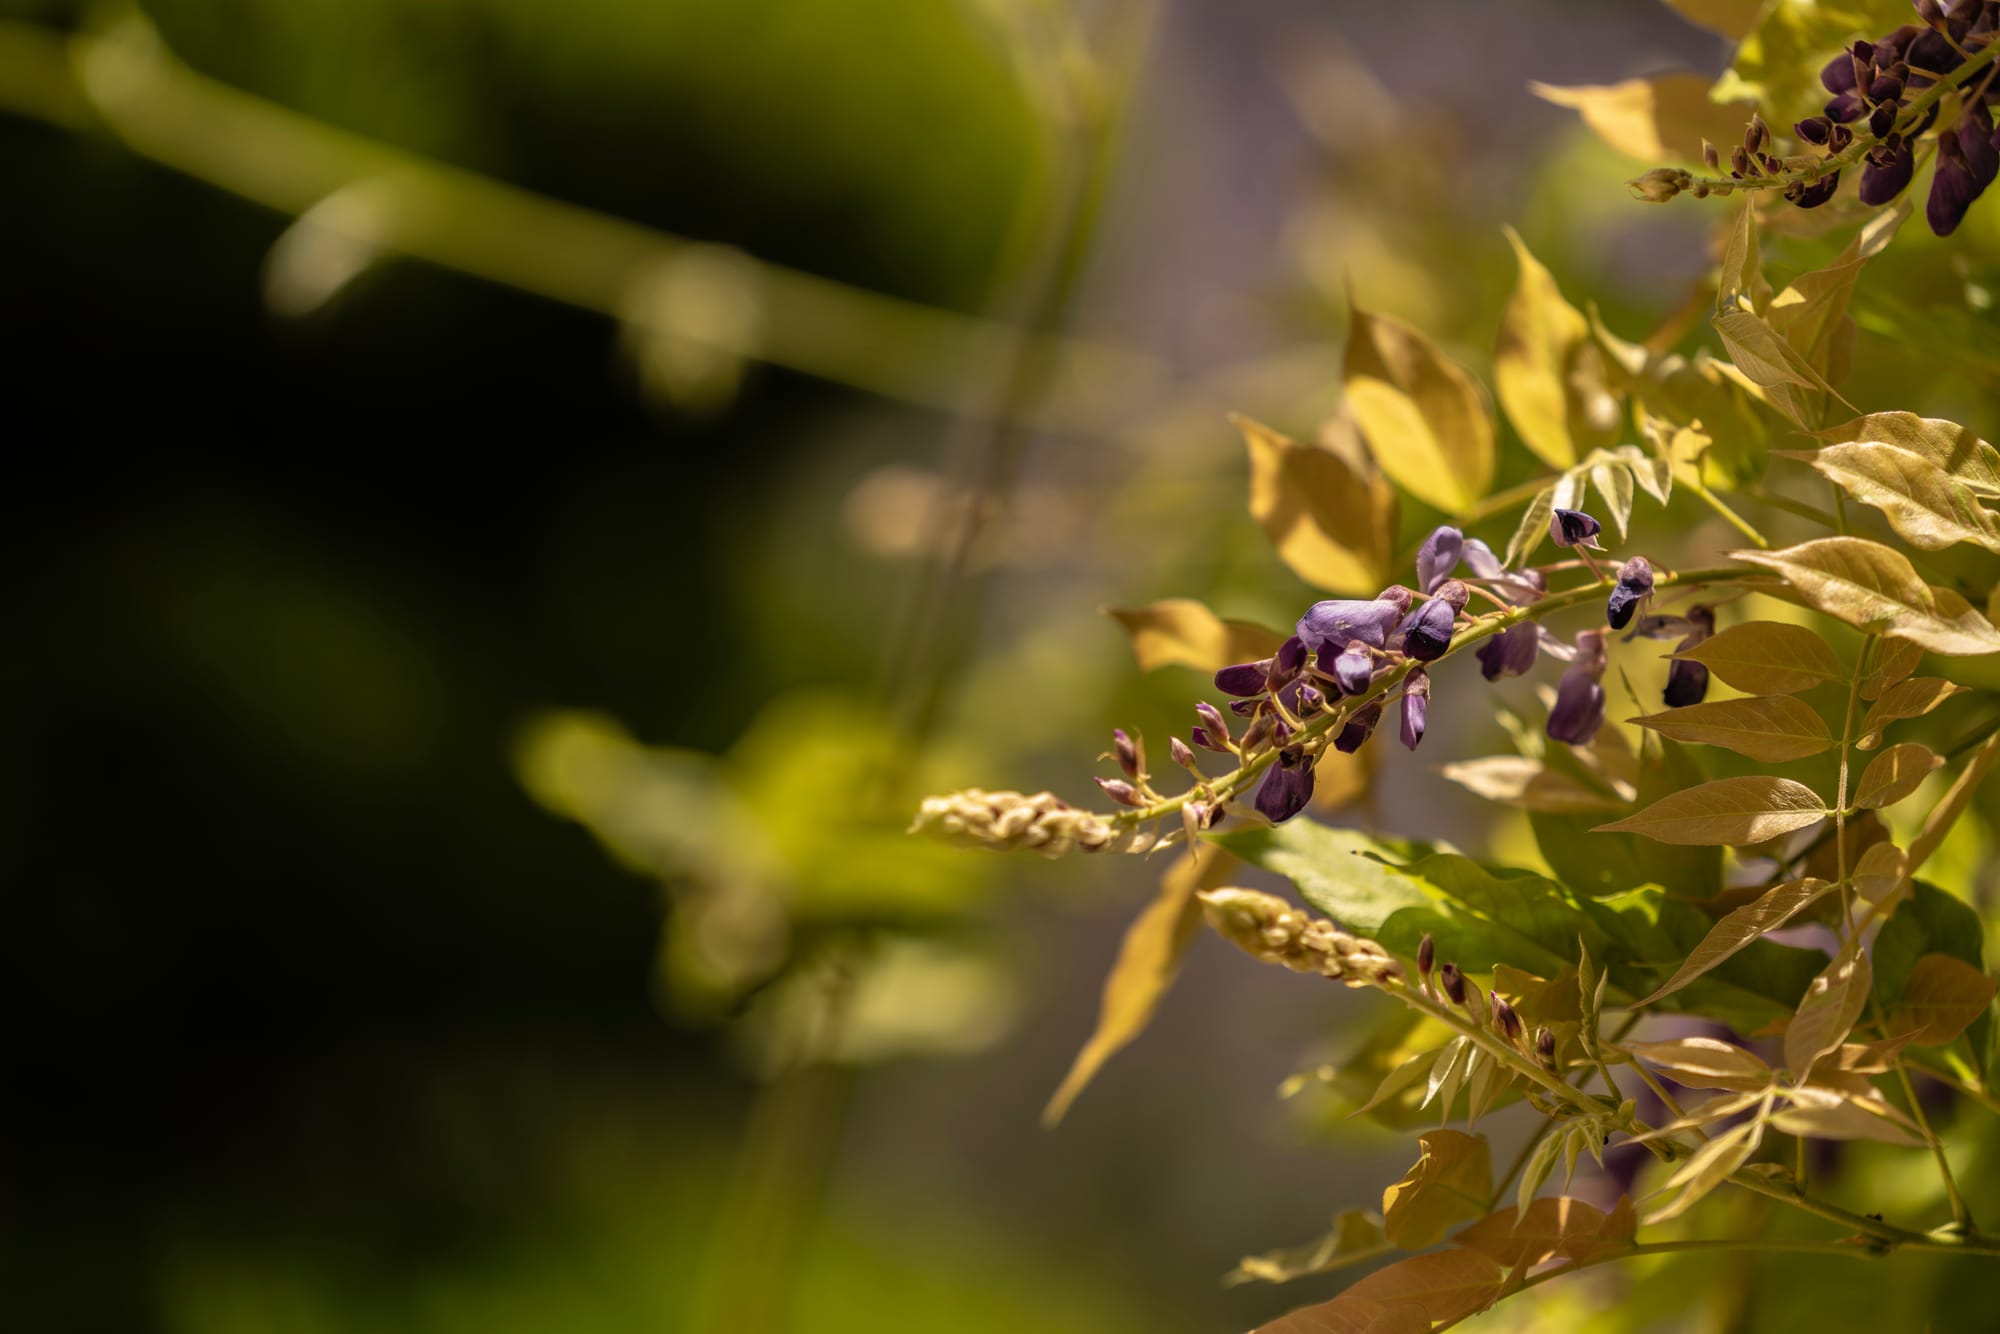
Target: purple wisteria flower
[(1358, 729), (1287, 787), (1512, 652), (1568, 528), (1245, 680), (1579, 709), (1353, 667), (1438, 557), (1635, 585), (1338, 620), (1687, 681), (1426, 632), (1416, 706)]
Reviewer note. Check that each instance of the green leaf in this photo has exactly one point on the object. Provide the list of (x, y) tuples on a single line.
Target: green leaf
[(1530, 785), (1874, 589), (1740, 928), (1426, 420), (1895, 774), (1182, 632), (1332, 523), (1940, 999), (1532, 529), (1934, 921), (1927, 507), (1535, 367), (1729, 811), (1739, 284), (1789, 381), (1597, 865), (1341, 872), (1764, 727), (1712, 1164), (1767, 657), (1811, 314), (1959, 452), (1450, 1183), (1355, 1236)]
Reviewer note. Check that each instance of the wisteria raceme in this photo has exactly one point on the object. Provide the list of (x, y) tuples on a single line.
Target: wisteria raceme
[(1416, 706)]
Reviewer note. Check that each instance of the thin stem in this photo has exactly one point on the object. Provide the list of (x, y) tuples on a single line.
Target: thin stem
[(1720, 506), (1840, 803), (1973, 1091), (1960, 1214)]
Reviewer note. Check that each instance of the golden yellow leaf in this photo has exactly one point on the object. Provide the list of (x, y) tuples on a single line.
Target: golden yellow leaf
[(1532, 530), (1895, 774), (1450, 1182), (1426, 420), (1906, 699), (1875, 589), (1348, 1314), (1941, 998), (1773, 909), (1943, 815), (1659, 119), (1182, 632), (1740, 282), (1827, 1014), (1926, 506), (1706, 1063), (1841, 1115), (1790, 383), (1515, 780), (1960, 452), (1767, 657), (1712, 1164), (1149, 959), (1333, 524), (1448, 1284), (1811, 313), (1764, 727), (1893, 660), (1356, 1235), (1553, 1225), (1550, 396), (1732, 811)]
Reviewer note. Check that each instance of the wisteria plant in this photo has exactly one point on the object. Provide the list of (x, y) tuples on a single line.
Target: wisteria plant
[(1727, 964)]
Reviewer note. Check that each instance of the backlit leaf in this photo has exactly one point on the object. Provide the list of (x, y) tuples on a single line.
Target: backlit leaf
[(1847, 1118), (1923, 503), (1811, 313), (1613, 480), (1906, 699), (1552, 1226), (1515, 780), (1449, 1284), (1712, 1164), (1332, 523), (1895, 774), (1182, 632), (1790, 383), (1945, 814), (1450, 1182), (1875, 589), (1772, 910), (1404, 1077), (1764, 727), (1356, 1235), (1892, 661), (1348, 1314), (1541, 336), (1730, 811), (1706, 1063), (1655, 120), (1739, 284), (1961, 453), (1149, 959), (1941, 998), (1428, 424), (1828, 1013), (1532, 530), (1767, 657)]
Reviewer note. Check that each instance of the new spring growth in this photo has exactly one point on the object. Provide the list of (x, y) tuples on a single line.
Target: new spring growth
[(1452, 981), (1268, 928), (1545, 1046), (1177, 750), (1505, 1019), (1008, 820), (1131, 754)]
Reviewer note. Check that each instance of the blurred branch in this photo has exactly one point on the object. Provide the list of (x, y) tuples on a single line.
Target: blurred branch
[(371, 200)]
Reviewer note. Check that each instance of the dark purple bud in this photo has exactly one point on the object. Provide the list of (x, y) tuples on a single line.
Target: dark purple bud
[(1259, 731), (1353, 668), (1739, 161), (1130, 758), (1545, 1044), (1888, 172), (1291, 657), (1889, 50), (1426, 632), (1635, 585), (1121, 792), (1710, 156), (1812, 196), (1844, 107), (1339, 620), (1512, 652), (1212, 722), (1359, 728), (1416, 707), (1207, 741), (1303, 699), (1504, 1017), (1287, 787), (1838, 138), (1579, 709), (1246, 708), (1244, 680), (1438, 557), (1931, 52), (1687, 681), (1281, 733), (1754, 133), (1453, 982), (1813, 129), (1838, 74), (1953, 187), (1568, 528), (1427, 953), (1178, 751), (1975, 141), (1883, 119), (1930, 11), (1454, 594), (1886, 88)]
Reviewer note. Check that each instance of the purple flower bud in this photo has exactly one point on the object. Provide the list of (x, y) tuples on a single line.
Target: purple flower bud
[(1244, 680), (1426, 632), (1207, 741), (1258, 731), (1953, 187), (1888, 172), (1838, 74), (1545, 1043), (1512, 652), (1931, 52), (1427, 953), (1397, 595), (1287, 787), (1307, 699), (1416, 707), (1121, 792), (1883, 119), (1568, 528), (1454, 594), (1687, 680), (1212, 722), (1812, 196), (1453, 982), (1813, 129), (1503, 1015), (1338, 620), (1635, 585), (1438, 557), (1844, 107), (1886, 88), (1178, 750), (1579, 709), (1754, 133), (1358, 729), (1930, 11), (1130, 759), (1291, 657), (1975, 141), (1246, 708), (1353, 668)]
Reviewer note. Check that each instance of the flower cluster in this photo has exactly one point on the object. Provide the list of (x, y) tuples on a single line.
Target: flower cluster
[(1270, 929)]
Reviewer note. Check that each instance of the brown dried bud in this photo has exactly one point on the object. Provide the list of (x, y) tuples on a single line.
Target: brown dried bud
[(1271, 929), (1453, 982), (1131, 754), (1710, 156), (1545, 1044), (1008, 820), (1754, 133), (1659, 185), (1427, 953), (1504, 1016)]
